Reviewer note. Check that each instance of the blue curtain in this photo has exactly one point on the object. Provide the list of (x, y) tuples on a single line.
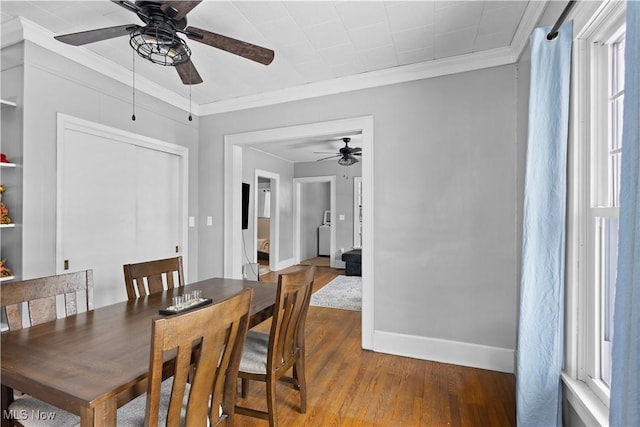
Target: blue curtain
[(625, 381), (540, 328)]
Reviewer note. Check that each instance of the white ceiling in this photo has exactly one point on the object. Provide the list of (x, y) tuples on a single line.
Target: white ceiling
[(314, 41)]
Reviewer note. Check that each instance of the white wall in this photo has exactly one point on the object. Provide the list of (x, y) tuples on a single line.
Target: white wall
[(446, 202)]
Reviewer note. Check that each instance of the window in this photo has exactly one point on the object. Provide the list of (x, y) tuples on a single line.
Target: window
[(605, 153), (594, 179)]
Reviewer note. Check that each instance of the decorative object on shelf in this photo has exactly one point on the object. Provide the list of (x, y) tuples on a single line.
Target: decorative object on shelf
[(4, 271), (3, 158), (4, 212)]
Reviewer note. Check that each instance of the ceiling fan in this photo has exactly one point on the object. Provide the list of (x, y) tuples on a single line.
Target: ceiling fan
[(347, 154), (158, 41)]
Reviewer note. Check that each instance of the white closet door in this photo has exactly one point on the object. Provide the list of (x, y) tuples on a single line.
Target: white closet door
[(157, 205), (119, 205)]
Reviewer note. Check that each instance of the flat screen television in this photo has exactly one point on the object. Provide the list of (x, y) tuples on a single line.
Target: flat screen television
[(245, 205)]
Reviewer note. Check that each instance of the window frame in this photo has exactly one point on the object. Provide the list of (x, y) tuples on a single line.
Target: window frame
[(594, 26)]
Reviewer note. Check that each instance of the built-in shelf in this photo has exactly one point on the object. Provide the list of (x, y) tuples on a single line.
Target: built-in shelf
[(7, 278), (7, 165), (7, 225)]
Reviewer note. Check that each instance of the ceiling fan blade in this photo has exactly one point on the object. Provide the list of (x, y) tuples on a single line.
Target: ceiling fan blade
[(356, 154), (130, 6), (181, 8), (237, 47), (85, 37), (355, 149), (330, 157), (188, 73)]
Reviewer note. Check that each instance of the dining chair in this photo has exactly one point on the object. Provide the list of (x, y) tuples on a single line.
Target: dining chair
[(269, 357), (206, 345), (202, 390), (38, 299), (152, 273)]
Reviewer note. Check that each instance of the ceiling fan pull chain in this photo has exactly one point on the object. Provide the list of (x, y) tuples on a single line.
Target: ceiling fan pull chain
[(190, 118), (133, 68)]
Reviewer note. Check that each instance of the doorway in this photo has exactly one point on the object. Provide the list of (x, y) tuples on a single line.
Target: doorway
[(233, 147), (266, 220), (313, 234)]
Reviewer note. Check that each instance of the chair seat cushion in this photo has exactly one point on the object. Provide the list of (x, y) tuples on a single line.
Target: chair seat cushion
[(30, 411), (133, 413), (254, 355)]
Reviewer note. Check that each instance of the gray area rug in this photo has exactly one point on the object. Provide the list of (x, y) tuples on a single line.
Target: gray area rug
[(343, 292)]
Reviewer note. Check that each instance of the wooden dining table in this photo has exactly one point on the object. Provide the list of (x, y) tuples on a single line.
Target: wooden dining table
[(94, 362)]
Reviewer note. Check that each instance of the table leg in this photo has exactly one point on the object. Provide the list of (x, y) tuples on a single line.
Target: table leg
[(102, 415), (7, 398)]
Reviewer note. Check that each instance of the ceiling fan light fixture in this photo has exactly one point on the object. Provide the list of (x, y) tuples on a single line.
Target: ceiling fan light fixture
[(347, 160), (159, 46)]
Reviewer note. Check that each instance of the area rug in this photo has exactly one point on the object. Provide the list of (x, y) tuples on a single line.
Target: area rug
[(343, 292)]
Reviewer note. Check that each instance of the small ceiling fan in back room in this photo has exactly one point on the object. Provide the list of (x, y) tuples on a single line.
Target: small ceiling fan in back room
[(346, 154), (158, 40)]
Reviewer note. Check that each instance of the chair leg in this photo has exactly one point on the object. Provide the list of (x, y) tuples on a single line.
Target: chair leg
[(271, 401), (244, 387), (299, 377)]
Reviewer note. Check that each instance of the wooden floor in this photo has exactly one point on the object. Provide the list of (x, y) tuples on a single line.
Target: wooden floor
[(348, 386)]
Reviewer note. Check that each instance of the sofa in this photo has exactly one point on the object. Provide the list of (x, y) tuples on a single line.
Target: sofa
[(353, 262)]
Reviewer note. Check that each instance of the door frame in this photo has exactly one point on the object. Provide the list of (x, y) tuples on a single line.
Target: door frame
[(232, 240), (274, 220), (297, 196), (66, 122)]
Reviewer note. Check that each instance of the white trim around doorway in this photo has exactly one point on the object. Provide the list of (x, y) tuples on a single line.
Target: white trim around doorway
[(233, 147)]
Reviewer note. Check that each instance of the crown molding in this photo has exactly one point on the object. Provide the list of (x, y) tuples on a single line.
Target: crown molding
[(530, 19), (405, 73), (19, 29), (22, 29)]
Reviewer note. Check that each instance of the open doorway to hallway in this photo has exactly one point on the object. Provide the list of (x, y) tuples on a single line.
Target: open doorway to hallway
[(233, 153)]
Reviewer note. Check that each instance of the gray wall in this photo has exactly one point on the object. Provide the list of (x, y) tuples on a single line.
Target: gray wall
[(54, 85), (445, 199), (447, 185), (314, 200)]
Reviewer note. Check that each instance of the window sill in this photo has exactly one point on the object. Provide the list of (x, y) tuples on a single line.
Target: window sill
[(585, 402)]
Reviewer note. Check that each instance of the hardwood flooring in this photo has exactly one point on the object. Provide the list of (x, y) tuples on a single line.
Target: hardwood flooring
[(348, 386)]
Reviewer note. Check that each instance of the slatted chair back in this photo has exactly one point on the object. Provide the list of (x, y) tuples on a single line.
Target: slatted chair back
[(148, 277), (286, 339), (206, 371), (40, 297), (268, 357)]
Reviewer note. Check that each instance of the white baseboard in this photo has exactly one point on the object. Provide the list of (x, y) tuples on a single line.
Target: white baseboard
[(281, 265), (438, 350)]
